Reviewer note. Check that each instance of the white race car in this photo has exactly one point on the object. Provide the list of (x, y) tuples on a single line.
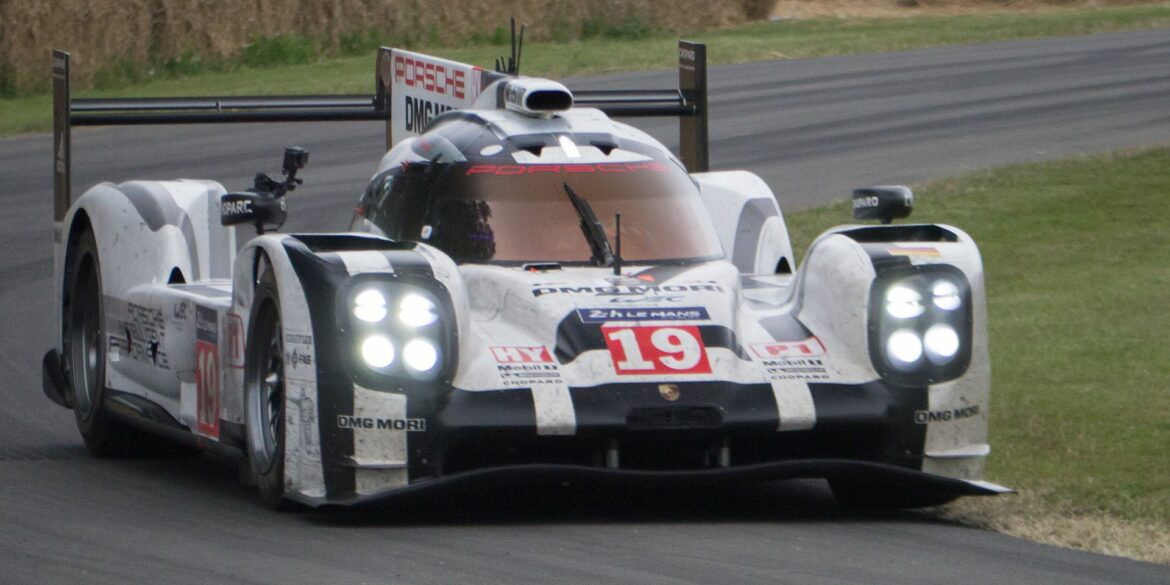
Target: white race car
[(529, 290)]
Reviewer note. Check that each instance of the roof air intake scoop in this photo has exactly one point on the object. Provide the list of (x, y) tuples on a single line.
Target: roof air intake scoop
[(536, 97)]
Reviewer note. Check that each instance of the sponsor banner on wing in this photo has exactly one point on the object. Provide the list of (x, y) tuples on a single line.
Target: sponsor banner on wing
[(423, 87)]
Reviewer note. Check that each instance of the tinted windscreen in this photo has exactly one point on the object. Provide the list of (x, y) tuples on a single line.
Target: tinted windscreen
[(478, 212)]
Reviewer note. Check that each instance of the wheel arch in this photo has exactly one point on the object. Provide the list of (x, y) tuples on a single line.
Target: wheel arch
[(840, 269), (304, 476), (748, 221), (80, 224)]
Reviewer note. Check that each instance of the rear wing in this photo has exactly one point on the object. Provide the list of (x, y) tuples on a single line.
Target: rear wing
[(446, 84)]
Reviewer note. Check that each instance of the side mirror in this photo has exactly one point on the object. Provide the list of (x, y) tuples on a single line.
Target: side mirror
[(260, 210), (883, 203)]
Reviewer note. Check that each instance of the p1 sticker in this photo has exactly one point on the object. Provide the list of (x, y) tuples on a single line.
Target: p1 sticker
[(811, 347), (639, 350)]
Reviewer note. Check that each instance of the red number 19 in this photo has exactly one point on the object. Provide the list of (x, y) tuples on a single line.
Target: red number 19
[(656, 350)]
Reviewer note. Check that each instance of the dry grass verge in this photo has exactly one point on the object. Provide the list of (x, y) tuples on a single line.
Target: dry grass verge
[(1080, 370), (1043, 516), (886, 8), (108, 35)]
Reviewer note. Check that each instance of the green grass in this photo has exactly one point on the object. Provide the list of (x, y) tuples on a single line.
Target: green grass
[(1077, 259), (272, 67)]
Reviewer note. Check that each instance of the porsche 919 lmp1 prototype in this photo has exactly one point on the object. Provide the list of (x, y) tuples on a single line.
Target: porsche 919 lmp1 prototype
[(529, 289)]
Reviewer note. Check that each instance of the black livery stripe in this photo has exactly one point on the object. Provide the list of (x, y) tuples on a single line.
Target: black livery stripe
[(322, 274), (785, 327), (319, 278), (873, 421)]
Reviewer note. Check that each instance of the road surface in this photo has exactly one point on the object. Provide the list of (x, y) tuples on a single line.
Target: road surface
[(814, 129)]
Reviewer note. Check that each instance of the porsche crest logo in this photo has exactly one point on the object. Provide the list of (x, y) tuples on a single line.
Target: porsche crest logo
[(669, 391)]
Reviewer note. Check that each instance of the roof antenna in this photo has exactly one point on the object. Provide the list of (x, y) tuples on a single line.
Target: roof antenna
[(512, 65), (617, 256), (519, 49)]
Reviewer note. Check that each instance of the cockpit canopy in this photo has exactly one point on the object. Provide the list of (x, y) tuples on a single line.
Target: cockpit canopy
[(482, 199)]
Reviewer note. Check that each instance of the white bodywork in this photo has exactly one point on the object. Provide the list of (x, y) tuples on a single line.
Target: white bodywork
[(146, 230)]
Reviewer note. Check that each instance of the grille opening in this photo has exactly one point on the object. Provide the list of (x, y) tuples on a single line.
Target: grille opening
[(666, 417)]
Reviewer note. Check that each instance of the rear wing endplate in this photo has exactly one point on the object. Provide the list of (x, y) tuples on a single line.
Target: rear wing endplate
[(688, 102)]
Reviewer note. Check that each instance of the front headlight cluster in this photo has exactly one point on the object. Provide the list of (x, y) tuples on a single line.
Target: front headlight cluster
[(396, 329), (920, 325)]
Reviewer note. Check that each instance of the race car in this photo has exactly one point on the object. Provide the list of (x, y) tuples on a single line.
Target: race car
[(529, 289)]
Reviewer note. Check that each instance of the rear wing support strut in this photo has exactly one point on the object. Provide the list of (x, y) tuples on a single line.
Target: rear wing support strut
[(688, 102)]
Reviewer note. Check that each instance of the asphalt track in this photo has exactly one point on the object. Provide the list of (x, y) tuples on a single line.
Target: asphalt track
[(814, 129)]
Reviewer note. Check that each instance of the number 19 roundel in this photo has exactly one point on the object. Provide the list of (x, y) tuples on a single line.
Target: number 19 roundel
[(676, 349)]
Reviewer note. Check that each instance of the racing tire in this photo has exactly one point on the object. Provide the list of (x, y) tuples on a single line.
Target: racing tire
[(863, 496), (264, 394), (84, 359)]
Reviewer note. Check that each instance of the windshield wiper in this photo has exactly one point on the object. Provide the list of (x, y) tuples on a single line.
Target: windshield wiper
[(592, 228)]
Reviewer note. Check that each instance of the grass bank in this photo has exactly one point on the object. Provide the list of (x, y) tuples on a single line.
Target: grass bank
[(615, 50), (1077, 257)]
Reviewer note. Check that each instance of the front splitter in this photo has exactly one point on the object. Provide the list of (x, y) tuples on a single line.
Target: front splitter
[(862, 473)]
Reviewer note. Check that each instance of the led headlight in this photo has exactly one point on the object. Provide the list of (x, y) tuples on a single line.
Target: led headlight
[(420, 354), (370, 306), (396, 330), (942, 344), (378, 351), (903, 302), (920, 324), (415, 310), (946, 295), (904, 348)]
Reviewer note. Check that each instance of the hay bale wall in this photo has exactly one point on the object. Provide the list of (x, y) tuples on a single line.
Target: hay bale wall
[(105, 35)]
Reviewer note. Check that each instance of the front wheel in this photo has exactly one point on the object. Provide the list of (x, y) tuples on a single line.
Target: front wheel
[(264, 393)]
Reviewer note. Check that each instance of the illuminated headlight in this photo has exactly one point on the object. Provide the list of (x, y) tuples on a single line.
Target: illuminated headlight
[(395, 331), (920, 322), (903, 302), (420, 355), (904, 347), (415, 310), (942, 343), (370, 306), (378, 352), (946, 295)]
